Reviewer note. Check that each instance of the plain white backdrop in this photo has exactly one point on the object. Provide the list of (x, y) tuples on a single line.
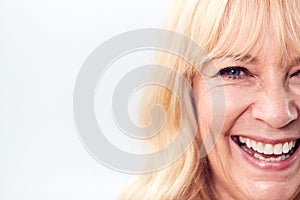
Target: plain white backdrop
[(43, 44)]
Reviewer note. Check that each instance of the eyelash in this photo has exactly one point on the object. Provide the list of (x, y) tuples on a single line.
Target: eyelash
[(296, 73), (233, 73), (295, 78)]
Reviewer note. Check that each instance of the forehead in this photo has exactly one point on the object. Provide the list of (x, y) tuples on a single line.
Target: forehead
[(259, 34), (267, 49)]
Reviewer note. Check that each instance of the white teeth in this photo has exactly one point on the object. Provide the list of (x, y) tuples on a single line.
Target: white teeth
[(241, 139), (292, 144), (278, 159), (267, 149), (253, 144), (278, 149), (258, 156), (248, 143), (260, 147), (285, 148), (247, 150), (271, 159)]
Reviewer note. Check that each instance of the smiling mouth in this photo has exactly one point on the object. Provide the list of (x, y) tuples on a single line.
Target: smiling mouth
[(267, 152)]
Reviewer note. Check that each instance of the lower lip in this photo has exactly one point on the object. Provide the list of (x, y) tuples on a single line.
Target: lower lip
[(272, 166)]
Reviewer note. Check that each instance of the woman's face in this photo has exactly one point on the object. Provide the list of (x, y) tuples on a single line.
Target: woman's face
[(257, 154)]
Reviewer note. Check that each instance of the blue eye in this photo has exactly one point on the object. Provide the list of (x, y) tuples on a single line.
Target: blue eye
[(233, 72)]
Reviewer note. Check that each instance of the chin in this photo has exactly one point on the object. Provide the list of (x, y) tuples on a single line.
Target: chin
[(263, 190)]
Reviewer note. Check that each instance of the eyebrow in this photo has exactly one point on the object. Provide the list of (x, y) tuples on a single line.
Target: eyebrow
[(246, 59)]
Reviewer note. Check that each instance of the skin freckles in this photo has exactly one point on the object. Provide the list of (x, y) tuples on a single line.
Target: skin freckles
[(262, 102)]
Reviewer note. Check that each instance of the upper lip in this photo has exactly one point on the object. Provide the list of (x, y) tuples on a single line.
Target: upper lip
[(269, 140)]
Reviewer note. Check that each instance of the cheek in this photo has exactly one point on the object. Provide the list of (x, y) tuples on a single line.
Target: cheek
[(204, 107), (211, 114), (218, 111), (203, 103), (218, 108), (238, 103)]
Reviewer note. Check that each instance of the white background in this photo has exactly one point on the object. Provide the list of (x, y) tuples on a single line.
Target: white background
[(43, 44)]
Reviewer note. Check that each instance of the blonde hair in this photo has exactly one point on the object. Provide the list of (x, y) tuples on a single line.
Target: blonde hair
[(213, 25)]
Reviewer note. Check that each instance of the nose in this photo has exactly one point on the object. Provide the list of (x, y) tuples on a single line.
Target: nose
[(274, 107)]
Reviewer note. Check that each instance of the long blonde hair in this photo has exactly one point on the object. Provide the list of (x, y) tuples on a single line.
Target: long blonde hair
[(212, 24)]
